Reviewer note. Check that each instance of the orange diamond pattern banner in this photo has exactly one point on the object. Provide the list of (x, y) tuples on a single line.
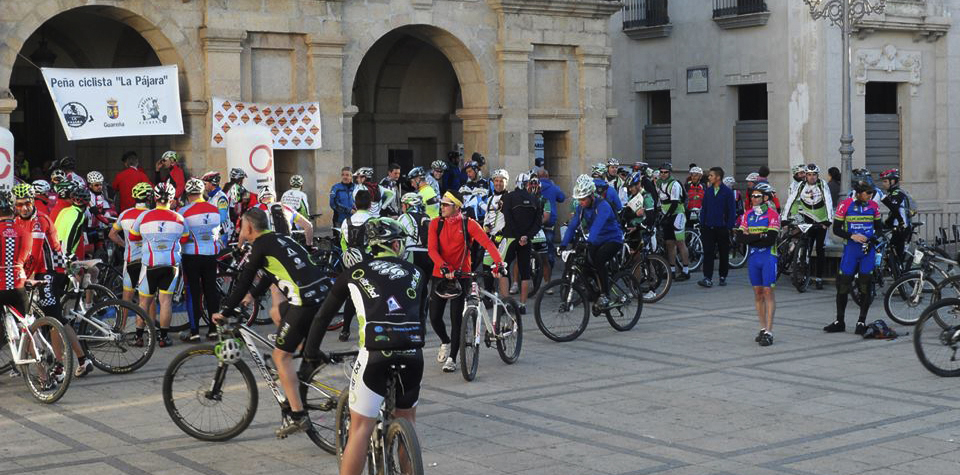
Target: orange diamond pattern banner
[(226, 114)]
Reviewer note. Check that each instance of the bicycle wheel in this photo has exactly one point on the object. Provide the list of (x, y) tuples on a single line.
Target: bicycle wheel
[(342, 420), (402, 449), (936, 338), (321, 395), (6, 360), (112, 349), (509, 332), (562, 316), (949, 288), (654, 276), (905, 300), (469, 347), (111, 278), (694, 251), (800, 278), (536, 271), (738, 255), (70, 303), (215, 415), (49, 374), (180, 319), (626, 300)]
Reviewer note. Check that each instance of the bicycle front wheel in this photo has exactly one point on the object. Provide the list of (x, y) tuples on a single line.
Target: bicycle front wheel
[(50, 371), (402, 449), (738, 255), (469, 346), (509, 332), (561, 311), (206, 398), (113, 347), (905, 300), (654, 276), (320, 396), (626, 301), (694, 250), (936, 338)]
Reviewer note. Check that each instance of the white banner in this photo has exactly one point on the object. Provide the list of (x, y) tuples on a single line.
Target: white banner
[(6, 160), (250, 148), (95, 103), (293, 126)]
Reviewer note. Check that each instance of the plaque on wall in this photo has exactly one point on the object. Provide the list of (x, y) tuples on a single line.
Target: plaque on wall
[(698, 80)]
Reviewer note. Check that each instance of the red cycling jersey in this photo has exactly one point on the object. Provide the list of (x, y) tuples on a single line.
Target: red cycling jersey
[(45, 254), (15, 248)]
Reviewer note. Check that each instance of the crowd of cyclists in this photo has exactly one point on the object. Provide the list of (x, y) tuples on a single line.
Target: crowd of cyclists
[(407, 241)]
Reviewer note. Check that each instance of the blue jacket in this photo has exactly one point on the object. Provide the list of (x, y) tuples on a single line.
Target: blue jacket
[(341, 202), (452, 179), (610, 194), (554, 195), (719, 208), (601, 220)]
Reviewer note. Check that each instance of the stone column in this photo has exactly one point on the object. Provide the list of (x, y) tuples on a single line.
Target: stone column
[(7, 106), (325, 66), (593, 62), (194, 144), (513, 142), (222, 49)]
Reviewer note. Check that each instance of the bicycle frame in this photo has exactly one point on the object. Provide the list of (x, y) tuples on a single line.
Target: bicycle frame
[(250, 339), (473, 301), (21, 323)]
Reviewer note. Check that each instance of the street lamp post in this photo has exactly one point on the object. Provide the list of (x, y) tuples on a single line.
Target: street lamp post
[(845, 13)]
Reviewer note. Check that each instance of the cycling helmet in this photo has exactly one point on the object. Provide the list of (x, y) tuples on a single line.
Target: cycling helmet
[(58, 175), (861, 174), (448, 289), (798, 168), (228, 351), (613, 162), (696, 170), (598, 170), (264, 192), (765, 188), (6, 200), (439, 165), (142, 191), (478, 158), (382, 232), (170, 155), (584, 187), (812, 168), (522, 180), (729, 181), (861, 186), (472, 164), (164, 192), (501, 173), (194, 186), (412, 199), (95, 178), (23, 190), (65, 188), (624, 170), (236, 174), (296, 181), (891, 174), (366, 172), (68, 163), (417, 172), (753, 177), (666, 166), (41, 186), (635, 179), (81, 194), (212, 177)]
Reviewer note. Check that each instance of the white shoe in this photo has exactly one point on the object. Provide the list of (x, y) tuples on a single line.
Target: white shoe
[(514, 289), (84, 369), (649, 295), (449, 366), (443, 353)]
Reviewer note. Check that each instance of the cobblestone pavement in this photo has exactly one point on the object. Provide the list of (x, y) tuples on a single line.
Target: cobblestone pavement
[(686, 392)]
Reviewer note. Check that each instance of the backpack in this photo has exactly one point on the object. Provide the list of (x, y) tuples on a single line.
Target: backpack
[(878, 330), (280, 225), (909, 204), (669, 185), (422, 222), (356, 235)]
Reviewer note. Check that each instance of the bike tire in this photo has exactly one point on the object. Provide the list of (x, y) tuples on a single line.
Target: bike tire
[(198, 390), (738, 255), (401, 431), (322, 394), (654, 275), (469, 348), (126, 326), (343, 432), (509, 321), (901, 298), (552, 320), (624, 286), (935, 335), (800, 278), (41, 332), (536, 271), (694, 251), (949, 287), (111, 278)]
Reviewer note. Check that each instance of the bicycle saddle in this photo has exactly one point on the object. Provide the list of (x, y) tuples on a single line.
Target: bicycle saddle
[(34, 284), (88, 264)]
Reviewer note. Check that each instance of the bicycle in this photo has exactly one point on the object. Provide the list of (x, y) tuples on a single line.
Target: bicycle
[(916, 290), (39, 349), (505, 328), (738, 252), (793, 248), (936, 338), (651, 270), (571, 299), (191, 389), (694, 247), (382, 457)]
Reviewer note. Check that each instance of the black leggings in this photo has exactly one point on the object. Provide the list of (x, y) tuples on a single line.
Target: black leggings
[(599, 257), (817, 235), (425, 264), (437, 305), (201, 275), (898, 242)]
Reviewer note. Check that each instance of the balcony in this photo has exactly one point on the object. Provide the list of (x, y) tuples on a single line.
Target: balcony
[(925, 20), (644, 19), (730, 14)]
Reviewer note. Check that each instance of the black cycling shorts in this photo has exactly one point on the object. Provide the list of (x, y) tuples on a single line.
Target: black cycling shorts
[(15, 298), (295, 324), (368, 386), (162, 278), (516, 251)]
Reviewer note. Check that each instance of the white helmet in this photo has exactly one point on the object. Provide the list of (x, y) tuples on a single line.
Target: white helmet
[(264, 192), (296, 181), (729, 181), (41, 186), (584, 187), (501, 173), (228, 351), (696, 170), (753, 177), (522, 180), (799, 168), (95, 178), (194, 186), (164, 192)]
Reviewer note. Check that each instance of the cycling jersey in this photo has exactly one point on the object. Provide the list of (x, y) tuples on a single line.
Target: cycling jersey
[(353, 237), (810, 201), (132, 249), (494, 219), (609, 194), (695, 192), (286, 262), (522, 213), (289, 214), (475, 193), (203, 222), (100, 209), (162, 232), (341, 201), (17, 243), (75, 177), (219, 199), (70, 223), (416, 225), (598, 220), (296, 200), (639, 209), (898, 202), (447, 246), (671, 196), (378, 195), (855, 217), (391, 203), (759, 221), (45, 254), (433, 184)]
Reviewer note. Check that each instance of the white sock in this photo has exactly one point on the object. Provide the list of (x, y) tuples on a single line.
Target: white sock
[(686, 269), (673, 269)]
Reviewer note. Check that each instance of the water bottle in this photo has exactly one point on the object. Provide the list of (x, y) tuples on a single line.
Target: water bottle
[(878, 257)]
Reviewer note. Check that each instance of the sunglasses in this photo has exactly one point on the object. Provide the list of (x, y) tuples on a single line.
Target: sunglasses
[(756, 196), (446, 204), (24, 205)]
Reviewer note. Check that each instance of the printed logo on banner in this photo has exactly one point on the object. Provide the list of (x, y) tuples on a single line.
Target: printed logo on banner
[(150, 111), (75, 114), (113, 110), (6, 164)]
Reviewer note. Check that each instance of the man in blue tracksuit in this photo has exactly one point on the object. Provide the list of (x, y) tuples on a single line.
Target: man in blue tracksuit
[(341, 198), (718, 216), (605, 191), (554, 196), (602, 229)]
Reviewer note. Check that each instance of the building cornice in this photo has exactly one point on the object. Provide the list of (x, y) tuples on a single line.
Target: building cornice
[(594, 9)]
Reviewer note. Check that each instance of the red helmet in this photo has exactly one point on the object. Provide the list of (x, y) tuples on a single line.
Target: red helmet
[(891, 174)]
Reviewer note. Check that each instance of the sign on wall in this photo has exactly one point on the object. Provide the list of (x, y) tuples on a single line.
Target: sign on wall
[(250, 148), (293, 126), (96, 103)]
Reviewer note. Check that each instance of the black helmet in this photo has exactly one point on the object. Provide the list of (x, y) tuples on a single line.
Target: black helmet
[(666, 166), (65, 188), (861, 186), (82, 194), (383, 231), (448, 289), (416, 172), (477, 157), (68, 162)]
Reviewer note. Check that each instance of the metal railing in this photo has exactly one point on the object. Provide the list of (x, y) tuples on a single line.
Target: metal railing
[(723, 8), (641, 13), (938, 228)]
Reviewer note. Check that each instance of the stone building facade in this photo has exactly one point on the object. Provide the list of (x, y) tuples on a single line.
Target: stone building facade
[(404, 79), (740, 83)]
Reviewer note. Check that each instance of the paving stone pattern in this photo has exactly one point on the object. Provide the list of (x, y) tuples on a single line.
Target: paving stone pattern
[(686, 392)]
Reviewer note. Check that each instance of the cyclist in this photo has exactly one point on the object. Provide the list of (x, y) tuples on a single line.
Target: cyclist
[(799, 176), (862, 174), (453, 176), (240, 198), (275, 211), (391, 182), (68, 165), (341, 197), (289, 265), (168, 169), (900, 205), (435, 177), (602, 231), (215, 196), (162, 232), (378, 194), (43, 198), (674, 222), (202, 220), (295, 197), (419, 182), (64, 190), (608, 194), (540, 244), (731, 183), (639, 212), (494, 220), (612, 174), (695, 191), (354, 246), (416, 224), (385, 290), (449, 242), (142, 193), (101, 210), (71, 221), (474, 191), (811, 202), (759, 229), (523, 215), (857, 220)]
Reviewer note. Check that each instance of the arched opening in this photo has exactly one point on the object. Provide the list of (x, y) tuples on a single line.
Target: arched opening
[(66, 41), (408, 90)]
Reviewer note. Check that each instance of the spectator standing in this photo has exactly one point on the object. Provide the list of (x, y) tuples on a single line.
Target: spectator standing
[(124, 182), (718, 216), (341, 197)]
